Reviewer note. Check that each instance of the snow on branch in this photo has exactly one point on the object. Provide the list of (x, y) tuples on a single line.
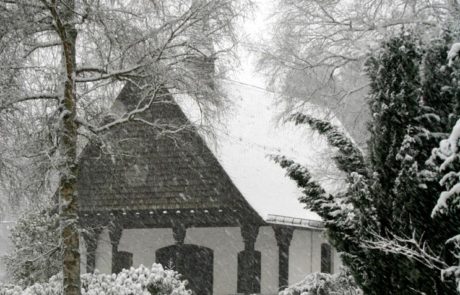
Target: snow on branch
[(350, 158), (43, 96), (104, 74), (441, 204), (448, 152), (315, 196), (413, 248), (42, 45), (155, 96), (453, 53)]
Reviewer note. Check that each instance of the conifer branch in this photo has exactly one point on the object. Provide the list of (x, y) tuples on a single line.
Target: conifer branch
[(349, 158), (314, 195)]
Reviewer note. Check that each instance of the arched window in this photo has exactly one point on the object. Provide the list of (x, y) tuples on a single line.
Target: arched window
[(326, 258), (122, 260), (194, 263)]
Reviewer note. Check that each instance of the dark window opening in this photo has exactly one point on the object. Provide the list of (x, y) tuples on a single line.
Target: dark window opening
[(123, 260), (194, 263), (326, 258), (249, 272)]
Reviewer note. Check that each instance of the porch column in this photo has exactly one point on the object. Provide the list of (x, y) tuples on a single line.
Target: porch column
[(249, 262), (91, 236), (283, 236), (115, 230), (179, 232)]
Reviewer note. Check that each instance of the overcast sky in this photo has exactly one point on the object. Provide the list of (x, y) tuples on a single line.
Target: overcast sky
[(255, 28)]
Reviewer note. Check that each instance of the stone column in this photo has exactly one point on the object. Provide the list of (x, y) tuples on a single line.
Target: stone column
[(91, 236), (283, 236), (115, 230), (249, 261)]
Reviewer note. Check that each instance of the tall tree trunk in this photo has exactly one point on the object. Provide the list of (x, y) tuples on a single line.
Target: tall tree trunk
[(68, 150)]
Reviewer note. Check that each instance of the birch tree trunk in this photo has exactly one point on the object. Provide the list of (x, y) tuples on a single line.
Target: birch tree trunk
[(68, 150), (163, 42)]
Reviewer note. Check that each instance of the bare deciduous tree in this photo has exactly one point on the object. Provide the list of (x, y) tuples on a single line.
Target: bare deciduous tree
[(317, 49), (62, 58)]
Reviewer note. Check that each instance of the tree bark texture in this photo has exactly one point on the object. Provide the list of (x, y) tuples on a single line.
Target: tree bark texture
[(63, 13)]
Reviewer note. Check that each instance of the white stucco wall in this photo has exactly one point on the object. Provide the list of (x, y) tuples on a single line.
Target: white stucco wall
[(266, 244), (300, 255), (226, 242), (82, 256), (104, 253), (144, 242), (305, 255)]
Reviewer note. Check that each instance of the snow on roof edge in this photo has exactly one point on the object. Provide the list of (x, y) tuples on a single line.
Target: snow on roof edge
[(293, 221)]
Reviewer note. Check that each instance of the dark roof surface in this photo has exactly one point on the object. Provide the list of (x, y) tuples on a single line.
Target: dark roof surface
[(139, 167)]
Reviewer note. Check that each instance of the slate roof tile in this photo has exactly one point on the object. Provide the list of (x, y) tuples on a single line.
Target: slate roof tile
[(147, 170)]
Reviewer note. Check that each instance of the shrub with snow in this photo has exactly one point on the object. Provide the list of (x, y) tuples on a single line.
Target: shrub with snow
[(324, 284), (135, 281), (35, 256)]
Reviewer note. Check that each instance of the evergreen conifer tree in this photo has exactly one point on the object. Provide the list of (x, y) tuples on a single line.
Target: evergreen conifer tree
[(413, 102)]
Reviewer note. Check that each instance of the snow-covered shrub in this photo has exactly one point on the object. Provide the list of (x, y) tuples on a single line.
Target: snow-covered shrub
[(324, 284), (35, 255), (9, 289), (135, 281)]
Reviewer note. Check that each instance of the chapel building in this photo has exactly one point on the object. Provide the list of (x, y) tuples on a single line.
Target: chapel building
[(167, 196)]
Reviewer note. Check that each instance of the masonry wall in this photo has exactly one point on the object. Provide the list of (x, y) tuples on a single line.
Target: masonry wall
[(226, 242)]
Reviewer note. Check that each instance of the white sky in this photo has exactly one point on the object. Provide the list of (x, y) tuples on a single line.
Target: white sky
[(254, 132), (255, 27)]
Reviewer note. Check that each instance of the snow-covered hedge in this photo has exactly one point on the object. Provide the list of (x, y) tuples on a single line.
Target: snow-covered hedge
[(324, 284), (135, 281)]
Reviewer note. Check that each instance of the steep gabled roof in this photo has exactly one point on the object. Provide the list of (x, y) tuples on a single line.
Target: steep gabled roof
[(250, 132), (139, 170), (145, 168)]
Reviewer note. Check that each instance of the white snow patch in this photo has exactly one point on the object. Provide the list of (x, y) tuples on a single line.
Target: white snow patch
[(447, 151), (249, 134), (449, 147), (441, 204), (453, 52)]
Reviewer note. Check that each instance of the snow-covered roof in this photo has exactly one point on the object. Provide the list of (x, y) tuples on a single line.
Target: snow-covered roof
[(225, 172), (292, 221), (248, 135)]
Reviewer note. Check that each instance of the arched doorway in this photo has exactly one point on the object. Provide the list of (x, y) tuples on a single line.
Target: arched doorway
[(195, 263)]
